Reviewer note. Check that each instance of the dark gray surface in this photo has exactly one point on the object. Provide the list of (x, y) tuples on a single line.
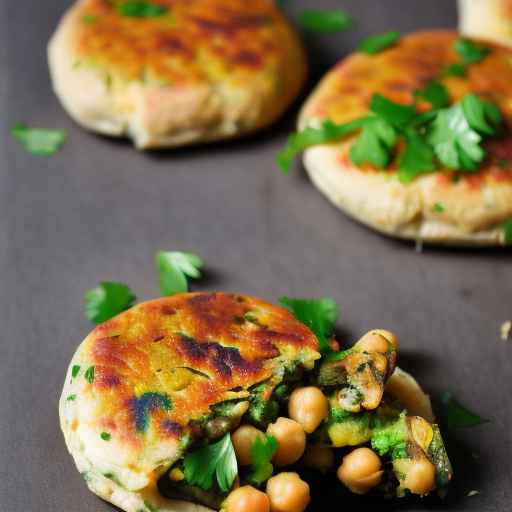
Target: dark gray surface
[(99, 210)]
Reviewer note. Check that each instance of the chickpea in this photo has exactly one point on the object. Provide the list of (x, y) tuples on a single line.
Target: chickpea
[(377, 340), (291, 438), (318, 457), (360, 470), (309, 407), (246, 499), (243, 438), (287, 493), (419, 477)]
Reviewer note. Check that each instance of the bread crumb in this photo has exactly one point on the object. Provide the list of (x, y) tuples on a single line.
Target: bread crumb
[(506, 327)]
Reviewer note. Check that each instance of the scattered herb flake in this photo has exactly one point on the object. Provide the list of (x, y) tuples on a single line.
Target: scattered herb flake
[(107, 300), (219, 459), (262, 451), (458, 416), (71, 398), (325, 22), (174, 268), (437, 208), (319, 315), (507, 232), (105, 436), (434, 93), (89, 374), (75, 370), (377, 43), (89, 19), (141, 9), (469, 51), (39, 141), (455, 69)]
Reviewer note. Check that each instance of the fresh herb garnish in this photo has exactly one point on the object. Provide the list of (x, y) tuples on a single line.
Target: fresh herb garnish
[(89, 374), (437, 208), (71, 398), (328, 131), (455, 69), (141, 9), (39, 141), (417, 158), (469, 51), (375, 144), (262, 451), (107, 300), (456, 415), (105, 436), (89, 19), (377, 43), (319, 315), (217, 459), (174, 268), (507, 232), (325, 22), (74, 370), (434, 93)]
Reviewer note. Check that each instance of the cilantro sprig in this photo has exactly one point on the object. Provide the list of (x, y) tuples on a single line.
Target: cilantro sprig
[(325, 22), (107, 300), (262, 451), (39, 141), (174, 267), (458, 416), (141, 9), (217, 459), (379, 42), (469, 53)]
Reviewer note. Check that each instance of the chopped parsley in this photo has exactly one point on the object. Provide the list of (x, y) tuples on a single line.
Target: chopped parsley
[(318, 314), (456, 415), (107, 300), (39, 141), (74, 370), (262, 451), (507, 232), (391, 438), (71, 398), (325, 22), (89, 374), (438, 208), (469, 51), (174, 268), (377, 43), (89, 19), (455, 69), (105, 436), (141, 9), (217, 459), (434, 93)]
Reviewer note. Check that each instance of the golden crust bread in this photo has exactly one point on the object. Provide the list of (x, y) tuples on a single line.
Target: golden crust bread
[(146, 375), (489, 19), (475, 205), (203, 70)]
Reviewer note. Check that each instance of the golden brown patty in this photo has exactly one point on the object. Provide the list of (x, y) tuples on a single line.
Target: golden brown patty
[(218, 56), (143, 376), (474, 205)]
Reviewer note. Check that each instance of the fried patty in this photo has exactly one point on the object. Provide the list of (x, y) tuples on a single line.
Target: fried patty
[(475, 205), (140, 383), (194, 70)]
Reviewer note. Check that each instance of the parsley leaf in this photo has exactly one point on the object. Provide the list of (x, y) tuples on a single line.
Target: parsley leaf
[(107, 300), (219, 459), (455, 143), (437, 208), (375, 144), (483, 116), (379, 42), (417, 158), (434, 93), (469, 51), (455, 69), (319, 315), (89, 374), (456, 415), (262, 451), (395, 114), (325, 22), (71, 398), (39, 141), (105, 436), (507, 232), (174, 267), (89, 19), (141, 9), (308, 137), (74, 370)]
